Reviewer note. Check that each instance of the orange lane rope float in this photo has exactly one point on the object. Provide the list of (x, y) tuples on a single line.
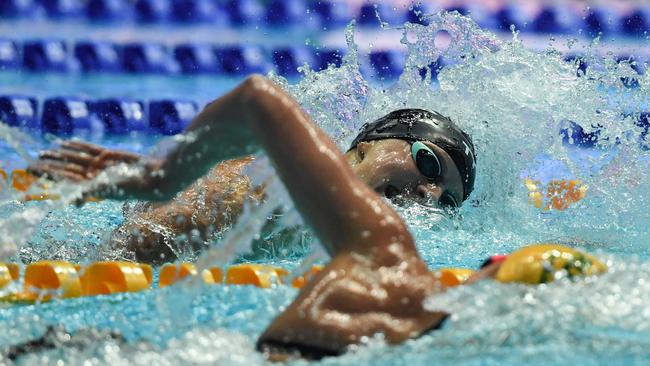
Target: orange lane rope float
[(44, 280), (559, 194), (3, 179), (22, 181)]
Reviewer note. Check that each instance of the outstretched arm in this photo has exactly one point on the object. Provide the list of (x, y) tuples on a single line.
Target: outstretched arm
[(257, 115), (376, 281)]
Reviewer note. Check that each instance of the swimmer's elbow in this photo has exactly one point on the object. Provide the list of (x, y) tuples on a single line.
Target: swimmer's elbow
[(254, 87)]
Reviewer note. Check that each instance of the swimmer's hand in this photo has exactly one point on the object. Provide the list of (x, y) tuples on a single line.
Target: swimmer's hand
[(103, 173), (78, 161)]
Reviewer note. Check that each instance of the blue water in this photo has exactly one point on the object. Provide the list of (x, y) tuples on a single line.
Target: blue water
[(512, 101)]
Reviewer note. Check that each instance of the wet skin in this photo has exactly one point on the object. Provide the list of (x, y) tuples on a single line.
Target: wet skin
[(376, 282), (214, 202)]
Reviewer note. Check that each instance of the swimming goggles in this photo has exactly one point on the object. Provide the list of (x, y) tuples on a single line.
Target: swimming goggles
[(428, 163)]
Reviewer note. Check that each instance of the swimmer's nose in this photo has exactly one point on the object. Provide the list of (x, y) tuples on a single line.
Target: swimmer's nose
[(428, 192)]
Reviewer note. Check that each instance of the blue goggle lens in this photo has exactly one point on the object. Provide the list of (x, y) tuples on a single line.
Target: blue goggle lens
[(429, 165), (426, 160)]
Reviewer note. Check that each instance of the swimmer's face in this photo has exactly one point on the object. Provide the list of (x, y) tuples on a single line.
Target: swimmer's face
[(388, 167)]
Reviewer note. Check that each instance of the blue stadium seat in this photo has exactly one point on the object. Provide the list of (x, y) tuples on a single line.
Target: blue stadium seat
[(98, 56), (242, 60), (280, 13), (288, 59), (332, 14), (45, 55), (367, 16), (170, 117), (16, 8), (326, 56), (194, 11), (387, 64), (64, 116), (636, 24), (196, 58), (62, 8), (558, 19), (108, 10), (417, 13), (19, 111), (121, 116), (9, 56), (147, 58), (151, 11), (244, 12)]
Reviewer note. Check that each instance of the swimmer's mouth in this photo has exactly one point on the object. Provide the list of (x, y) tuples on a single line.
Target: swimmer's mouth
[(391, 192), (400, 198), (405, 198)]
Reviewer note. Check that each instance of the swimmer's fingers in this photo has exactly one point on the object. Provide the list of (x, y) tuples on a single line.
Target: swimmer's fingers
[(68, 156), (84, 147), (57, 171), (92, 160), (111, 157)]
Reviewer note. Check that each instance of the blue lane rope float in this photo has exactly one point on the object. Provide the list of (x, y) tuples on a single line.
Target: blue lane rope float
[(121, 116), (97, 56), (19, 111), (46, 55), (86, 56), (197, 58), (9, 56), (170, 117), (65, 116), (327, 14), (70, 115)]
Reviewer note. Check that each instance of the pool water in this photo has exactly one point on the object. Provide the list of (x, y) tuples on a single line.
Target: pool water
[(513, 102)]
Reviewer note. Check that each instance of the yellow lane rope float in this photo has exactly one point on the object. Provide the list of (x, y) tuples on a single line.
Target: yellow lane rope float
[(44, 280), (559, 194), (542, 263)]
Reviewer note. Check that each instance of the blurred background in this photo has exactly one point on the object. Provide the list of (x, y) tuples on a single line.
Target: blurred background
[(120, 66)]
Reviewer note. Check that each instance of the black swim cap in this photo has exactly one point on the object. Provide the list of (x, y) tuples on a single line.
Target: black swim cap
[(421, 125)]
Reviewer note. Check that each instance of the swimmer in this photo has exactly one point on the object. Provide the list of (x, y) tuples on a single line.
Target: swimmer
[(376, 281), (409, 154)]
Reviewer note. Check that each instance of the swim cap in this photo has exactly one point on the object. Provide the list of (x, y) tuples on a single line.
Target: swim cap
[(421, 125), (542, 263)]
